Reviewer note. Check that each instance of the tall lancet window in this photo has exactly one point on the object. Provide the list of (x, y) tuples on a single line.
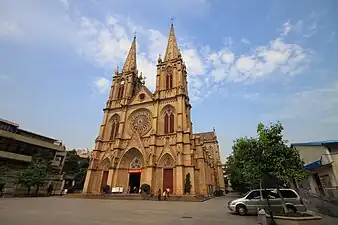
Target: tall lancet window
[(169, 119), (121, 90), (114, 123), (169, 78)]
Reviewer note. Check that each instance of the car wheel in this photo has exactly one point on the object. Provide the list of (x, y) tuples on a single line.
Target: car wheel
[(291, 208), (241, 210)]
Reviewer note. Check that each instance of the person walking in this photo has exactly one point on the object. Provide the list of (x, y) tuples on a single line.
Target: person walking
[(159, 194), (164, 194), (168, 191)]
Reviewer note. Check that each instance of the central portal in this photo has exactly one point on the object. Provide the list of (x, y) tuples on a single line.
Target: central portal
[(168, 179), (134, 181)]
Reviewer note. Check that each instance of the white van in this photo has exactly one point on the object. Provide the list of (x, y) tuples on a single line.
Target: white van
[(253, 201)]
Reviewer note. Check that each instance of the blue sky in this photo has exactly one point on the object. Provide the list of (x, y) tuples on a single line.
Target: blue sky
[(248, 62)]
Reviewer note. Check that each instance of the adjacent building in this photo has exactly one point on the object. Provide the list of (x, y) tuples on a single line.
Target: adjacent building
[(83, 152), (18, 146), (321, 159), (147, 137)]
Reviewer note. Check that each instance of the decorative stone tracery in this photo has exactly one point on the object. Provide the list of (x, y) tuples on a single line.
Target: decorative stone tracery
[(135, 163), (140, 121), (167, 161)]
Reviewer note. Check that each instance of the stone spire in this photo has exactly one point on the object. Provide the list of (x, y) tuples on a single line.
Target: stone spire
[(172, 51), (130, 63)]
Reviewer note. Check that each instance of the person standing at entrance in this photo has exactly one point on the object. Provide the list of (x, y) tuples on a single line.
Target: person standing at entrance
[(164, 194), (168, 191), (159, 194)]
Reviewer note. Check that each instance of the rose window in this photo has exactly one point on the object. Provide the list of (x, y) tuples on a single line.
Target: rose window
[(140, 121)]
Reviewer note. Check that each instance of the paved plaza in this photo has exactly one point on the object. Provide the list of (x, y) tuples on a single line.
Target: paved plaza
[(59, 210)]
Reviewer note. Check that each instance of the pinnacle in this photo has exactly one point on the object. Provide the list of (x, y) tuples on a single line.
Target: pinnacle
[(130, 63), (172, 51)]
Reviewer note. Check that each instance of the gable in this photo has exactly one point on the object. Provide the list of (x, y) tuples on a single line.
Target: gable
[(142, 95)]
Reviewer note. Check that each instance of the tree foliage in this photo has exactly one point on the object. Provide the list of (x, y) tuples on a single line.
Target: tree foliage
[(187, 184), (35, 174), (76, 167), (268, 153)]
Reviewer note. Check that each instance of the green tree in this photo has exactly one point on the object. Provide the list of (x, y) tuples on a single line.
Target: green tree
[(34, 175), (76, 167), (187, 184), (279, 160), (243, 163), (267, 154)]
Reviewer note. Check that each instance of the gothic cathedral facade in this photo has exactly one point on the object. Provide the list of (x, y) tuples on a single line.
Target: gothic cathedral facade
[(147, 138)]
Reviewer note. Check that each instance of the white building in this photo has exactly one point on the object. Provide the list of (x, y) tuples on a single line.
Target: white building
[(321, 159)]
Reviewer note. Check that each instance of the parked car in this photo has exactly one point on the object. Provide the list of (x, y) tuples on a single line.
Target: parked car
[(252, 201)]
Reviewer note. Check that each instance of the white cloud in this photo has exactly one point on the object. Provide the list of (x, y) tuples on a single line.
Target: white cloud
[(277, 57), (65, 3), (9, 29), (245, 41), (106, 42), (102, 84), (303, 28), (320, 104), (194, 62)]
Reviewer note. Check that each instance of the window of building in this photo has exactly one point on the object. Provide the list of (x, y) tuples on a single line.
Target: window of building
[(115, 123), (169, 122), (120, 90), (169, 78)]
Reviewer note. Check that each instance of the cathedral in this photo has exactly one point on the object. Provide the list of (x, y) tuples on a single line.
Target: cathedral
[(147, 138)]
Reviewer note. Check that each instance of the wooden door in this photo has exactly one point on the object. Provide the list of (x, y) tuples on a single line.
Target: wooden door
[(168, 179)]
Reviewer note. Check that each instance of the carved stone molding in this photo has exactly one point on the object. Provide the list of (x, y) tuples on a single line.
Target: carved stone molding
[(140, 121)]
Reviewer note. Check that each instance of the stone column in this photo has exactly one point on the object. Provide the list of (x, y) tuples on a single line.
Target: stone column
[(110, 178), (86, 185), (98, 180), (179, 180), (149, 175), (115, 177)]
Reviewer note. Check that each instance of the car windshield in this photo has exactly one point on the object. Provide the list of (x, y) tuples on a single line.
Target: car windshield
[(246, 193)]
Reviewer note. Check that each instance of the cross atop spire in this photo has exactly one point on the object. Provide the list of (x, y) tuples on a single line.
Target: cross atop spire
[(130, 63), (172, 51)]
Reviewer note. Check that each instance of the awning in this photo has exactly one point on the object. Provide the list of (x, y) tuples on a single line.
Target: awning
[(313, 165)]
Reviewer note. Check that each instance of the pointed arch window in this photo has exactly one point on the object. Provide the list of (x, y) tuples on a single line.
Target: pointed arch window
[(169, 78), (115, 123), (120, 90), (135, 163), (169, 119)]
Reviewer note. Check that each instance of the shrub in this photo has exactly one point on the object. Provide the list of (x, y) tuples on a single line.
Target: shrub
[(145, 188), (218, 193), (106, 189), (187, 184)]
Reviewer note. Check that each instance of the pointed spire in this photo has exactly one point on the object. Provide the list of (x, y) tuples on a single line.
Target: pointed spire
[(172, 51), (130, 63)]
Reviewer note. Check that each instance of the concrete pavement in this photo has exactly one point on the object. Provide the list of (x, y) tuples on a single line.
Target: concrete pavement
[(57, 211)]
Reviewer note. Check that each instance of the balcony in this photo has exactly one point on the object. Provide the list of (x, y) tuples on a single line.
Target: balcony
[(15, 156), (55, 163)]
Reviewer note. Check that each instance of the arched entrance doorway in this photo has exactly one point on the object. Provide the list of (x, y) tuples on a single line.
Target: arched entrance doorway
[(105, 164), (167, 163), (132, 163), (135, 172)]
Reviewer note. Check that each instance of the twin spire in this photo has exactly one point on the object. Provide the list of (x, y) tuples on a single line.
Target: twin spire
[(130, 63), (172, 52)]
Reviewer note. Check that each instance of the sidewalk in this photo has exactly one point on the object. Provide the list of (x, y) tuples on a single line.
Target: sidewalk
[(327, 220)]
